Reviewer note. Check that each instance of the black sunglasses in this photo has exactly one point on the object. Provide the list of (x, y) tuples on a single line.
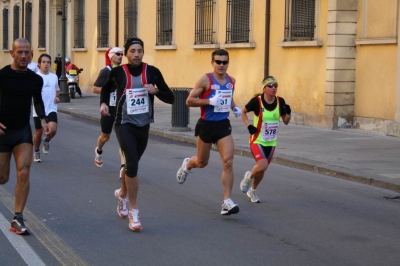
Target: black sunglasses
[(270, 85), (118, 54), (218, 62)]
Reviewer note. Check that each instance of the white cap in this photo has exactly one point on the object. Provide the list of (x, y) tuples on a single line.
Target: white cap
[(113, 51)]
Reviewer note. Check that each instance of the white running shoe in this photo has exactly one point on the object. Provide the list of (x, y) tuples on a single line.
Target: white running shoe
[(36, 157), (246, 182), (46, 146), (122, 208), (134, 220), (253, 196), (228, 207), (98, 159), (182, 172)]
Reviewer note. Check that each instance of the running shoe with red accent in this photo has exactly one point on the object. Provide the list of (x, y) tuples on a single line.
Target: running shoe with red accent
[(98, 159), (134, 220), (18, 226), (122, 208)]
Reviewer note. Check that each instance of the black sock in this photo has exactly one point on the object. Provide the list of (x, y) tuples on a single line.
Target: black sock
[(99, 152), (16, 214)]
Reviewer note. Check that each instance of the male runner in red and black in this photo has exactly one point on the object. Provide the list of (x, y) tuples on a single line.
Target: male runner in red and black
[(137, 84), (18, 85)]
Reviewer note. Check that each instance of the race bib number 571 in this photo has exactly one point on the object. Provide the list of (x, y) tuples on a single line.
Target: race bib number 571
[(137, 101)]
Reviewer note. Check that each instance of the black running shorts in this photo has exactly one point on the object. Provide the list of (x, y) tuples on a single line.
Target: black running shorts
[(52, 117), (133, 142), (212, 131), (14, 137), (107, 122)]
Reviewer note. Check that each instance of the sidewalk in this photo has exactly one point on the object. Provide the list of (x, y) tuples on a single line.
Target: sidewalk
[(357, 155)]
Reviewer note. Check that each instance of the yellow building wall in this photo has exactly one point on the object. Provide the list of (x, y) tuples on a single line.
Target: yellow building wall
[(376, 64), (300, 71)]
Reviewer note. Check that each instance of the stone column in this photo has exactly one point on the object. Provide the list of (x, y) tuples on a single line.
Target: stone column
[(340, 62)]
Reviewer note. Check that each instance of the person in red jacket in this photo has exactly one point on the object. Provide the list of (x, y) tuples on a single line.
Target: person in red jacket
[(68, 67)]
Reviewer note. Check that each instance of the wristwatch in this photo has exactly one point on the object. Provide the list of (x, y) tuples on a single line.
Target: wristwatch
[(157, 91)]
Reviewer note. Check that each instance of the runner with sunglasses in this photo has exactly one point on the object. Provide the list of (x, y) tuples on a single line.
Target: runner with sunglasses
[(51, 97), (213, 93), (113, 59), (268, 109)]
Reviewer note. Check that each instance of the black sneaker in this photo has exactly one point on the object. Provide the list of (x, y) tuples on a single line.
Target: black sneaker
[(228, 207), (18, 226)]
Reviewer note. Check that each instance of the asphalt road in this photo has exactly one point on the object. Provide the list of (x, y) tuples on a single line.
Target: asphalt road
[(304, 218)]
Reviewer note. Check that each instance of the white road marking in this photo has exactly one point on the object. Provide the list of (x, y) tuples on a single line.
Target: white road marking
[(19, 243)]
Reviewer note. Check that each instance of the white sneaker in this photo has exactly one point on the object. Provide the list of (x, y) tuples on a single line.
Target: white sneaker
[(98, 159), (46, 146), (134, 220), (182, 172), (253, 196), (246, 182), (36, 157), (228, 207), (122, 208)]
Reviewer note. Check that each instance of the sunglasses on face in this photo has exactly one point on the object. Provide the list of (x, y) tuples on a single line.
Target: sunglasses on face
[(270, 85), (118, 54), (218, 62)]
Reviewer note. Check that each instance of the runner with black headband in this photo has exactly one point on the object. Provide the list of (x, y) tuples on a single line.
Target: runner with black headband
[(137, 84), (18, 85), (268, 109), (213, 93)]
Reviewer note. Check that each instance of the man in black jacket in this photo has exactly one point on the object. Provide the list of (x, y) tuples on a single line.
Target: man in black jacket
[(137, 84), (18, 85)]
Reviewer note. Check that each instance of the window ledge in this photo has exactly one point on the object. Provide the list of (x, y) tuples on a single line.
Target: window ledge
[(42, 49), (80, 49), (313, 43), (238, 45), (372, 41), (205, 46), (6, 51), (101, 49), (165, 47)]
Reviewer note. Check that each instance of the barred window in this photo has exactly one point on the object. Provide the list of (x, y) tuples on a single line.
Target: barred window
[(16, 22), (102, 22), (130, 19), (238, 21), (164, 22), (299, 20), (205, 22), (5, 29), (28, 21), (42, 24), (79, 24)]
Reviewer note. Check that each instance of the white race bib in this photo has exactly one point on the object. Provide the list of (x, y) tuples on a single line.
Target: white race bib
[(224, 101), (137, 101), (113, 98), (269, 130)]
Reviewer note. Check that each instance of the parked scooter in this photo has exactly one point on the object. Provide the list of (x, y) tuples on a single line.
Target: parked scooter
[(72, 81)]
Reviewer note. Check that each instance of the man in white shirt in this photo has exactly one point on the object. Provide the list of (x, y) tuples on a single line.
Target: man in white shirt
[(32, 65), (50, 96)]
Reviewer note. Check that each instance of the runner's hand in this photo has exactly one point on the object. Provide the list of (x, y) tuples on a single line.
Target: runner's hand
[(1, 129), (45, 126), (216, 101), (150, 88), (287, 109), (252, 129), (237, 111), (104, 110)]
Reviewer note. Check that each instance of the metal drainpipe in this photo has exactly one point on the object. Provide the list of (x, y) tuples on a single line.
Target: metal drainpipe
[(267, 32), (116, 23), (23, 18)]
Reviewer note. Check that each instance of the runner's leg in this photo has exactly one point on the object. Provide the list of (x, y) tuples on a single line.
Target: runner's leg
[(23, 160), (226, 151)]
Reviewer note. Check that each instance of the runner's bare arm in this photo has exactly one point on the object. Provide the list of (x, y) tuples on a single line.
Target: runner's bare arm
[(201, 85)]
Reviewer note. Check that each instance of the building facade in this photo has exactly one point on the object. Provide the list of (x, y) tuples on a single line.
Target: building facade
[(336, 61)]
